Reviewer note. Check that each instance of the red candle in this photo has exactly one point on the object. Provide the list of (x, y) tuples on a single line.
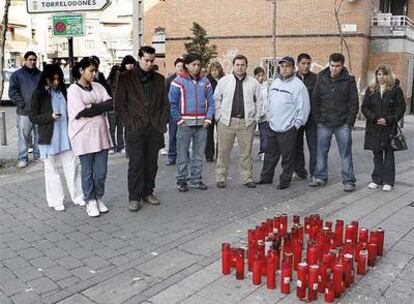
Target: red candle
[(329, 225), (271, 274), (269, 225), (299, 234), (355, 224), (233, 257), (250, 255), (339, 227), (358, 249), (240, 264), (363, 235), (348, 269), (380, 241), (225, 258), (312, 255), (362, 262), (349, 233), (349, 247), (276, 222), (251, 235), (373, 237), (323, 278), (257, 270), (283, 224), (274, 257), (372, 254), (297, 254), (329, 294), (296, 219), (313, 282), (307, 224), (302, 281), (268, 243), (286, 277), (337, 280), (313, 230)]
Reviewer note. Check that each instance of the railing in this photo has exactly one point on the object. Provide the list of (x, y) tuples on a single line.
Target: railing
[(389, 25)]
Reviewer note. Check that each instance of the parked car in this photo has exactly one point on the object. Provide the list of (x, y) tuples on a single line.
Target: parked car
[(5, 99)]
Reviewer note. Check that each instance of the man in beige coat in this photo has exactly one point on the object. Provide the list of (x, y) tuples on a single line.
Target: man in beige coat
[(238, 104)]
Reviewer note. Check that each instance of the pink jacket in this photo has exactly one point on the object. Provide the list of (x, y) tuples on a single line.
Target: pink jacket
[(87, 134)]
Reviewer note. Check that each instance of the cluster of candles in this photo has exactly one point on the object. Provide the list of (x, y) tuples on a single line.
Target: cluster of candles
[(331, 257)]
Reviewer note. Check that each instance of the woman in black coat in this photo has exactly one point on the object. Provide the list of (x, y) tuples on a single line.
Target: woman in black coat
[(383, 107)]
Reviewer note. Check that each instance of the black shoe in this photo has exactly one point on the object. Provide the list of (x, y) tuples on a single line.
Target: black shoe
[(221, 184), (134, 206), (282, 186), (182, 187), (263, 182), (200, 185), (250, 185), (170, 163)]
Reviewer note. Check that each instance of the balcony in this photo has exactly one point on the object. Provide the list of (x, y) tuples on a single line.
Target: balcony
[(389, 26)]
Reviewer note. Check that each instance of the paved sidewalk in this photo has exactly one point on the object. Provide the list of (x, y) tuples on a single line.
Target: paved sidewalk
[(171, 253)]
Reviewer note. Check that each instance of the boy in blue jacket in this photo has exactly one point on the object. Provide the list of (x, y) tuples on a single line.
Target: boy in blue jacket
[(192, 107)]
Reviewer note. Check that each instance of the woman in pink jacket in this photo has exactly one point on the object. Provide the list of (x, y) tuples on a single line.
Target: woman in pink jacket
[(89, 134)]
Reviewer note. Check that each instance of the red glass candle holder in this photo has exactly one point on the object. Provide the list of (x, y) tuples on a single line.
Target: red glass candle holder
[(329, 294), (337, 280), (257, 270), (362, 262), (285, 278), (348, 260), (313, 282), (225, 258), (349, 233), (296, 219), (372, 254), (233, 257), (276, 222), (283, 224), (307, 224), (251, 235), (329, 225), (297, 254), (250, 255), (358, 249), (302, 281), (339, 229), (270, 274), (323, 278), (312, 255), (240, 264), (299, 232), (355, 224), (380, 241), (363, 235)]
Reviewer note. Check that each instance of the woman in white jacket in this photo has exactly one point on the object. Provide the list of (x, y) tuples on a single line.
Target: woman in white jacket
[(260, 75)]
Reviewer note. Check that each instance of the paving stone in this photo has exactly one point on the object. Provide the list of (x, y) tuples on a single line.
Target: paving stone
[(43, 262), (18, 244), (76, 299), (43, 285), (263, 296), (77, 236), (68, 282), (404, 246), (174, 294), (96, 262), (199, 300), (6, 275), (120, 260), (4, 299), (401, 292), (27, 298), (12, 287), (28, 273), (66, 244), (57, 273), (16, 262), (69, 262), (84, 272), (55, 252), (200, 279), (115, 243), (81, 253), (30, 253), (7, 253)]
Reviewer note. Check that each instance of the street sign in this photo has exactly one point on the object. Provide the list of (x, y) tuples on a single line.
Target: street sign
[(68, 25), (52, 6)]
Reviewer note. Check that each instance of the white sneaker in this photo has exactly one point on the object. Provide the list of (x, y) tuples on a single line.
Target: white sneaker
[(111, 151), (387, 188), (59, 208), (21, 164), (262, 155), (373, 185), (102, 207), (123, 151), (81, 203), (163, 151), (92, 208)]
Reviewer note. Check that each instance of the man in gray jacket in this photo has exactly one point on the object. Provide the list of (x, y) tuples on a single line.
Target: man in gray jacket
[(288, 110), (22, 84), (238, 104)]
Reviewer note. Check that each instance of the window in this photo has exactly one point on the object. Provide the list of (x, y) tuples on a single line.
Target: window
[(395, 7)]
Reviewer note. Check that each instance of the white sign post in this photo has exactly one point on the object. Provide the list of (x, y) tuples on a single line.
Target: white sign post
[(53, 6)]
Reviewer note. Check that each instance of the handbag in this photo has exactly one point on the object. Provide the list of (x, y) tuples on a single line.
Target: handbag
[(398, 142)]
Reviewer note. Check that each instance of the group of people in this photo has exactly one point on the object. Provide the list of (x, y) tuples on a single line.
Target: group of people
[(78, 127)]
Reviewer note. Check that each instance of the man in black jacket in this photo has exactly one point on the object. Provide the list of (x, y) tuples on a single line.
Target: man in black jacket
[(335, 106), (304, 73), (22, 84)]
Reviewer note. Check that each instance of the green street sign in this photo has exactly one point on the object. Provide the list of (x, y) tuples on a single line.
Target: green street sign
[(68, 25)]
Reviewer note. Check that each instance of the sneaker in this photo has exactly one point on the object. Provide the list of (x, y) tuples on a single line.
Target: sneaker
[(123, 151), (349, 187), (316, 182), (111, 151), (200, 185), (102, 207), (151, 199), (221, 184), (92, 208), (163, 152), (134, 206), (261, 156), (373, 185), (182, 187), (21, 164), (30, 150), (81, 203), (386, 187), (59, 208), (250, 185)]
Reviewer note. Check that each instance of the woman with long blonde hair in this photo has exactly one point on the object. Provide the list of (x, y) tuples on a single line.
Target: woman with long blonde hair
[(383, 107)]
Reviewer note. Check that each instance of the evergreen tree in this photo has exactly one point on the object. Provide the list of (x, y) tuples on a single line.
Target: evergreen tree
[(200, 44)]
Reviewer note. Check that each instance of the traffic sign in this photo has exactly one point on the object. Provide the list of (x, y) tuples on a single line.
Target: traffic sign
[(51, 6), (68, 25)]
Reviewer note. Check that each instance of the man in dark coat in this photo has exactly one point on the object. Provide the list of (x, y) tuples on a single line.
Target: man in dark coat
[(143, 107), (335, 105), (22, 84)]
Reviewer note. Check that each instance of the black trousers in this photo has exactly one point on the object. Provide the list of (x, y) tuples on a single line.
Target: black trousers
[(280, 144), (384, 168), (116, 129), (210, 142), (310, 130), (143, 147)]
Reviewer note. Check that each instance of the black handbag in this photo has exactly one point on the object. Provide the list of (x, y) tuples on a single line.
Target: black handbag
[(398, 142)]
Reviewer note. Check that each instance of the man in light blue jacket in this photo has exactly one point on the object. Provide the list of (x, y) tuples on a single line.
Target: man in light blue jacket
[(288, 110)]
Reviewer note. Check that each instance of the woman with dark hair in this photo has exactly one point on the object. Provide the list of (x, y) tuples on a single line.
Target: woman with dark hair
[(260, 76), (215, 72), (383, 106), (49, 112), (89, 135)]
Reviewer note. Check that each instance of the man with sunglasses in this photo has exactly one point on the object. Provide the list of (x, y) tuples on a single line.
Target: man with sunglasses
[(22, 84)]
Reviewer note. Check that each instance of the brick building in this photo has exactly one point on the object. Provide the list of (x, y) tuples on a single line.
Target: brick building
[(376, 31)]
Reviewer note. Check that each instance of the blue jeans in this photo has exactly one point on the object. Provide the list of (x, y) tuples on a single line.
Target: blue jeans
[(198, 135), (24, 131), (94, 168), (343, 136), (172, 140)]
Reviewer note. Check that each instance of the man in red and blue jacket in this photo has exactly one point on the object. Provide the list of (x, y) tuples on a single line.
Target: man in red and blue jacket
[(192, 107)]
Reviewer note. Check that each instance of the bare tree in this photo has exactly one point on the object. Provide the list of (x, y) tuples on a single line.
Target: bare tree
[(3, 31)]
